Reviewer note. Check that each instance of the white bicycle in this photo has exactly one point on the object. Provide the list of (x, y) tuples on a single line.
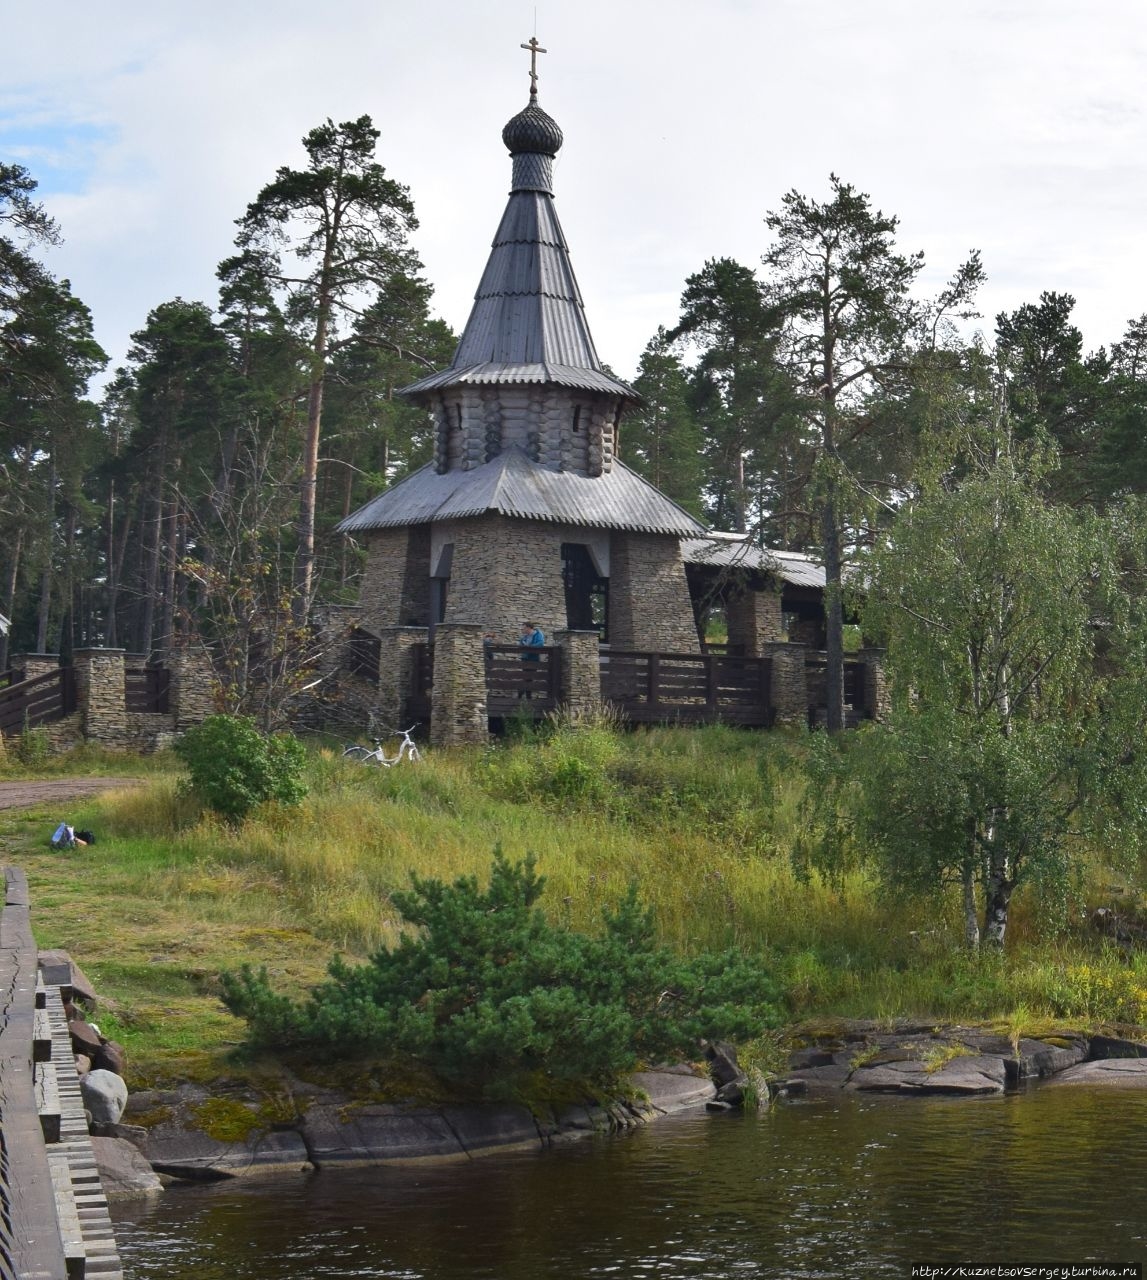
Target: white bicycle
[(406, 748)]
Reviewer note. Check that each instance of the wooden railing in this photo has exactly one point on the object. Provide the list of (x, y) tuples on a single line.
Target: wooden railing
[(687, 687), (37, 701), (147, 690), (525, 680), (54, 1221), (30, 1237)]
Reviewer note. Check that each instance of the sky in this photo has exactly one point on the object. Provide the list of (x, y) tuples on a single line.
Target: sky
[(1016, 127)]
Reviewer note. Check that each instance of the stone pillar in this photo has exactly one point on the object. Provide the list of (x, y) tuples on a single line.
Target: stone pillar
[(192, 693), (35, 664), (649, 604), (789, 686), (332, 625), (458, 700), (581, 671), (100, 695), (754, 618), (876, 701), (396, 674)]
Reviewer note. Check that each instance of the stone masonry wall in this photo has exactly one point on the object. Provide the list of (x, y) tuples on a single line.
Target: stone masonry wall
[(100, 692), (649, 605), (754, 619), (581, 671), (552, 425), (396, 674), (789, 690), (193, 694), (458, 701), (506, 572), (396, 583), (876, 697)]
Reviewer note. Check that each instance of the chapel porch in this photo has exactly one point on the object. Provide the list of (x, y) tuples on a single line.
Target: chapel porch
[(464, 688)]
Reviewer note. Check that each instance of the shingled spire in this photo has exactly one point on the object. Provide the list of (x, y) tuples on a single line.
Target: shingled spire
[(528, 323), (526, 418)]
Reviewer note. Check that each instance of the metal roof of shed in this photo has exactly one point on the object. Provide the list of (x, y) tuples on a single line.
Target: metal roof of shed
[(512, 485), (736, 551)]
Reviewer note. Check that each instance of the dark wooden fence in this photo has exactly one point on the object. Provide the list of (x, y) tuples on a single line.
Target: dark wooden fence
[(522, 681), (855, 704), (147, 690), (42, 699), (687, 687)]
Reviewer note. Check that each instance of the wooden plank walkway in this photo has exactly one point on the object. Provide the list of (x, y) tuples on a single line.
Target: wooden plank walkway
[(54, 1221)]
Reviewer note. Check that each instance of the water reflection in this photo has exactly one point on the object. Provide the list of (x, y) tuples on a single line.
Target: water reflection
[(863, 1188)]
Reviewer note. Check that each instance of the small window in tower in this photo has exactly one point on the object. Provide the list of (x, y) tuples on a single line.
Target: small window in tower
[(458, 410), (577, 419)]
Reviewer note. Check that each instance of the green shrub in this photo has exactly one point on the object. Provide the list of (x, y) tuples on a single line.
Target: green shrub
[(490, 994), (34, 747), (234, 767)]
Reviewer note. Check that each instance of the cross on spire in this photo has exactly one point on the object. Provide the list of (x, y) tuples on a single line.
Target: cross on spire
[(534, 49)]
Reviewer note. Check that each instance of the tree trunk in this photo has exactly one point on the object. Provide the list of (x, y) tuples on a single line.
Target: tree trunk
[(971, 924), (44, 610), (998, 899), (10, 594), (830, 533), (153, 543), (833, 616), (308, 485)]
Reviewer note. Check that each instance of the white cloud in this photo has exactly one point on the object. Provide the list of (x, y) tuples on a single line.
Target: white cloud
[(1016, 127)]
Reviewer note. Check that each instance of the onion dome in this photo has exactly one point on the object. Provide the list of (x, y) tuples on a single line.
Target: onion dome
[(532, 130)]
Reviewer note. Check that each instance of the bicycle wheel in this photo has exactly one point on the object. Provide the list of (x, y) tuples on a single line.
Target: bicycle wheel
[(358, 754)]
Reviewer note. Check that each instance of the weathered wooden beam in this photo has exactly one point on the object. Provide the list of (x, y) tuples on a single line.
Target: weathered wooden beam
[(48, 1101), (31, 1238)]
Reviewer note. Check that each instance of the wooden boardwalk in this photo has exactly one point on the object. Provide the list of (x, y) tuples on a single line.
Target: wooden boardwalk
[(54, 1222)]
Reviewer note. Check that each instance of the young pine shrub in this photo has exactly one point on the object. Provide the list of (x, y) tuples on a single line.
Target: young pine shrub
[(490, 995)]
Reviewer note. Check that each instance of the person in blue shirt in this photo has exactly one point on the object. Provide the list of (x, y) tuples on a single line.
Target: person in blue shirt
[(531, 638)]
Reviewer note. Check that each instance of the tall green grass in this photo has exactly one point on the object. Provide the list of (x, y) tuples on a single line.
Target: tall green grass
[(704, 821)]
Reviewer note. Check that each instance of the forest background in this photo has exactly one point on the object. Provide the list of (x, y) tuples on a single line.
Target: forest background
[(804, 399)]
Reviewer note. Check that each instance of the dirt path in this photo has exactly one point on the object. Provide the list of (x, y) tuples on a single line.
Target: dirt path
[(22, 795)]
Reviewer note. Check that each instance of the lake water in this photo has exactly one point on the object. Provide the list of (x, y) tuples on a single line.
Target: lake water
[(841, 1188)]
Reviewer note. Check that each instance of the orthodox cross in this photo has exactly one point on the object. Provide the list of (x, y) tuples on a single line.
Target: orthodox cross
[(534, 49)]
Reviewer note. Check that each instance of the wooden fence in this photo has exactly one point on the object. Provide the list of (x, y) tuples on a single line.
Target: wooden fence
[(40, 700), (522, 681), (648, 687), (147, 690), (687, 687)]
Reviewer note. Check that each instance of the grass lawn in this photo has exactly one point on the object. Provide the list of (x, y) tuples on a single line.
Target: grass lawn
[(704, 821)]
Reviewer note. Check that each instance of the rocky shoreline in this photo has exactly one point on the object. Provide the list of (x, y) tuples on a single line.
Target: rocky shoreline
[(917, 1059), (196, 1132)]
